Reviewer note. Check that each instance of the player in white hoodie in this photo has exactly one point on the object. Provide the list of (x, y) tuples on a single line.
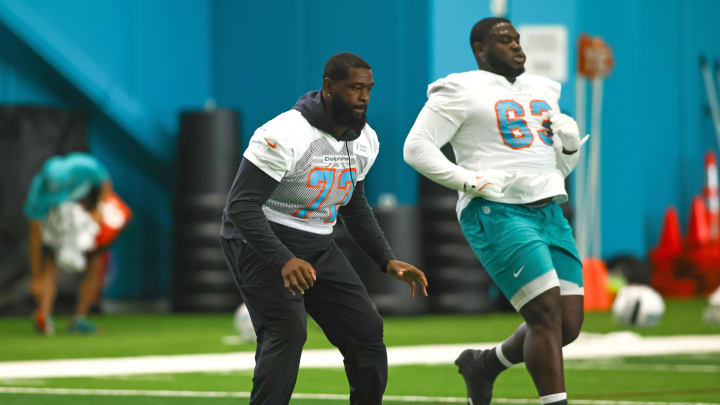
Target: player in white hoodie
[(303, 171)]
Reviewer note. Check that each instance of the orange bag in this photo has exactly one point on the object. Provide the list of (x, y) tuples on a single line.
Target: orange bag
[(115, 216)]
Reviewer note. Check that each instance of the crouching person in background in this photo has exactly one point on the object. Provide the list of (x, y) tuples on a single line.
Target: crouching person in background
[(74, 215)]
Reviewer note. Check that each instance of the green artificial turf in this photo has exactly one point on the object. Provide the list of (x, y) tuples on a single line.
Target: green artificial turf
[(683, 378), (643, 379), (164, 334), (692, 378)]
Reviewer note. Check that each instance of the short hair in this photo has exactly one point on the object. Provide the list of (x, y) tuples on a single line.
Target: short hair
[(338, 66), (481, 29)]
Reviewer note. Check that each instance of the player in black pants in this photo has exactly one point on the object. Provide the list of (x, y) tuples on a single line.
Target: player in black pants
[(302, 170)]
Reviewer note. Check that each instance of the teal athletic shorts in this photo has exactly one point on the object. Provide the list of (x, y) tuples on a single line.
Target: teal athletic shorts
[(525, 250)]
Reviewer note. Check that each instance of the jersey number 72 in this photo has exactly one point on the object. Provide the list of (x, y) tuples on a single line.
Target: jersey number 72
[(323, 178)]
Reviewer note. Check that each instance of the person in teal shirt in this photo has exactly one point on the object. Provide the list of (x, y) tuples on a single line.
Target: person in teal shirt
[(75, 178)]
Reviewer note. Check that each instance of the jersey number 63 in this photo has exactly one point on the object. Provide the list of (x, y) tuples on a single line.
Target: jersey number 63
[(513, 128)]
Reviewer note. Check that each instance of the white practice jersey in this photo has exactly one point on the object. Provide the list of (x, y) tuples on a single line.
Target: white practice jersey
[(495, 124), (317, 173)]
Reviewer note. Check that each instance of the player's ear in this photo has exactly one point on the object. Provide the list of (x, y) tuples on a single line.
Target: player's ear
[(478, 48), (327, 85)]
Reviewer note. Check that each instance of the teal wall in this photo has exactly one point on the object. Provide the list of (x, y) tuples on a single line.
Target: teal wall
[(133, 65), (656, 127), (267, 54)]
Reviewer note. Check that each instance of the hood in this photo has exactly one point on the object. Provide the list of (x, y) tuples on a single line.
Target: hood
[(311, 107)]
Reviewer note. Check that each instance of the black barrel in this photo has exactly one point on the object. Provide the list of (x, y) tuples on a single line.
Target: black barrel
[(207, 152), (206, 164), (458, 282), (401, 225)]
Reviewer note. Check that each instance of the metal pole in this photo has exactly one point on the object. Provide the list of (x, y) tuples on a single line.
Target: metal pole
[(712, 95), (580, 200), (595, 178)]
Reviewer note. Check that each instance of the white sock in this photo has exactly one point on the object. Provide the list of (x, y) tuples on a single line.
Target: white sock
[(549, 399), (498, 352)]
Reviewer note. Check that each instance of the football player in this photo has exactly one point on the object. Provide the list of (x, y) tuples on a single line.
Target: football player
[(63, 207), (514, 149), (302, 171)]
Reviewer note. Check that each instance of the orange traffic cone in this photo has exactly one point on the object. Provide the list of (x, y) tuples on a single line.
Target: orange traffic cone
[(698, 229), (671, 240), (595, 280)]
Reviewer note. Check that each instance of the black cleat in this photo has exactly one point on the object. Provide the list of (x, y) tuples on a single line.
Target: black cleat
[(478, 378)]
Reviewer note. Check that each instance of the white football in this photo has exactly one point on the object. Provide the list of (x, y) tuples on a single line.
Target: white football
[(638, 305), (712, 311), (714, 298), (244, 325)]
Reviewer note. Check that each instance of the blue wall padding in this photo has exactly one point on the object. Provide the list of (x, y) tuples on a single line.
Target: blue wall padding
[(160, 57)]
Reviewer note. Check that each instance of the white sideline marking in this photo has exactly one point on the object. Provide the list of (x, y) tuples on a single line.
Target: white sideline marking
[(341, 397), (683, 368), (587, 346)]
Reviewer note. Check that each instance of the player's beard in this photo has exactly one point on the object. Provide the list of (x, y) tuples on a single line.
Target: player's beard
[(502, 68), (343, 114)]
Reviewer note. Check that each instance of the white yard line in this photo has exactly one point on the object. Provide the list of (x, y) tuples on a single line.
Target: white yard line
[(340, 397), (588, 346), (680, 368)]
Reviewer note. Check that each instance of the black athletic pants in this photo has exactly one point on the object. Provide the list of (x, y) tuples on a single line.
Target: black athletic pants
[(338, 302)]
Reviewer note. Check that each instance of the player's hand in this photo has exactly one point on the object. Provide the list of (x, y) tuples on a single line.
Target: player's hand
[(567, 130), (408, 273), (298, 276), (487, 183)]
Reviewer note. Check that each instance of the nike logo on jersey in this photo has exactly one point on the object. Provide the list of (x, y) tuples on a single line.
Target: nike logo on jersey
[(272, 145), (516, 274)]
